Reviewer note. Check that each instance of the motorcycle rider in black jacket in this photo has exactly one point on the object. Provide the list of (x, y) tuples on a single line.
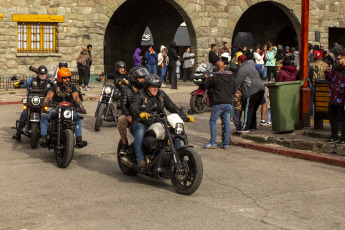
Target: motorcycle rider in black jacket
[(38, 82), (154, 101), (120, 72), (137, 76)]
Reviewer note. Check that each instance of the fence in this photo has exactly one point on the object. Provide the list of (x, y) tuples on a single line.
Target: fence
[(6, 83)]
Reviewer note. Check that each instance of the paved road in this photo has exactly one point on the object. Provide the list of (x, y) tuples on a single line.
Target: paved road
[(241, 188)]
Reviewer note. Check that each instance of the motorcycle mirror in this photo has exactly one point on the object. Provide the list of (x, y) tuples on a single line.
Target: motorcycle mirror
[(14, 78), (190, 112)]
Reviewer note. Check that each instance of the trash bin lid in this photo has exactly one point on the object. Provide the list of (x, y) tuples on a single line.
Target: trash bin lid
[(277, 84)]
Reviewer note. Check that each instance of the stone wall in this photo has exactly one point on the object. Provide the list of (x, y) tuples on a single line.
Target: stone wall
[(85, 22)]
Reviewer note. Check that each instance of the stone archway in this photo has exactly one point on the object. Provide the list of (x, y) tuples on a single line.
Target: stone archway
[(126, 26), (270, 21)]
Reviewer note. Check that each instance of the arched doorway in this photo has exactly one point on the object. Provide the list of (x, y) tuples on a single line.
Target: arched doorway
[(127, 25), (269, 21)]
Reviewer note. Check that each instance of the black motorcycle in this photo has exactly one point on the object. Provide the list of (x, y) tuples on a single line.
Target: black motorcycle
[(108, 104), (61, 133), (33, 106), (182, 165)]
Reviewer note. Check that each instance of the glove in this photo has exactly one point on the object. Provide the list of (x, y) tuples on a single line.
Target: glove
[(82, 110), (17, 85), (144, 115), (190, 119)]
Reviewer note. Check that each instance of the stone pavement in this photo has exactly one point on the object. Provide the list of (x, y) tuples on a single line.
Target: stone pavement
[(307, 143)]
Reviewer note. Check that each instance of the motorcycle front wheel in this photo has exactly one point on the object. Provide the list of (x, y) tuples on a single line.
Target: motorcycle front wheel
[(99, 117), (189, 182), (196, 104), (64, 157), (34, 135)]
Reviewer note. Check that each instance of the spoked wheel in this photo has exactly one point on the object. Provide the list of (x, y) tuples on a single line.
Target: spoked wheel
[(99, 117), (190, 181), (65, 155), (34, 135), (196, 104), (124, 168)]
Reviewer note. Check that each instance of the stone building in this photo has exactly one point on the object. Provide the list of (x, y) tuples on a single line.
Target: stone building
[(37, 32)]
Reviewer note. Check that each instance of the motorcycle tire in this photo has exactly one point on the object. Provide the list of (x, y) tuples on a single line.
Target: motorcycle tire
[(196, 104), (67, 141), (99, 117), (34, 135), (187, 184), (124, 168)]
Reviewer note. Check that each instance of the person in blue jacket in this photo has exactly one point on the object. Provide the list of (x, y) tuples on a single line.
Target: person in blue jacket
[(151, 60)]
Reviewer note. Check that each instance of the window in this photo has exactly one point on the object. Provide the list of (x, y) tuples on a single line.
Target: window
[(36, 37), (37, 33)]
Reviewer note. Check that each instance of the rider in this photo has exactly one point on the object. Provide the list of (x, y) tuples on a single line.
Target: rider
[(154, 100), (38, 82), (120, 72), (62, 64), (63, 91), (137, 76)]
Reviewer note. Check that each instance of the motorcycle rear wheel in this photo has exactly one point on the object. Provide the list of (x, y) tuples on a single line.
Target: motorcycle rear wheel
[(196, 104), (99, 117), (124, 168), (34, 135), (189, 183), (67, 151)]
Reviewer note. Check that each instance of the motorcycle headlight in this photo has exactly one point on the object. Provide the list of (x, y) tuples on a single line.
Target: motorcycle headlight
[(35, 100), (107, 90), (24, 100), (178, 128), (67, 114)]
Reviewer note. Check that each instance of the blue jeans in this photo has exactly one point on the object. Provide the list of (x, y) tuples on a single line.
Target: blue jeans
[(223, 110), (237, 120), (138, 131), (163, 71), (21, 123), (53, 114), (151, 68)]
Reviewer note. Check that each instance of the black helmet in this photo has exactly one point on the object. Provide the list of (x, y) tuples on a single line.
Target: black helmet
[(118, 65), (63, 64), (152, 80), (135, 73), (42, 70)]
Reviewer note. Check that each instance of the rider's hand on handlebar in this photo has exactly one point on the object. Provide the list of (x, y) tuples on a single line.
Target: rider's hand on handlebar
[(190, 119), (17, 85), (82, 110), (144, 115)]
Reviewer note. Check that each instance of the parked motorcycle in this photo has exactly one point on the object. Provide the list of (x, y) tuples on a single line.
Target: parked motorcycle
[(33, 106), (61, 133), (108, 104), (183, 165)]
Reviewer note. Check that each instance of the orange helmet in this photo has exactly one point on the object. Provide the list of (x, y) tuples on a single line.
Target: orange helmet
[(63, 72)]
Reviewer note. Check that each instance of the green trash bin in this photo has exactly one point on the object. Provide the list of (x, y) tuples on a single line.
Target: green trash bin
[(285, 104)]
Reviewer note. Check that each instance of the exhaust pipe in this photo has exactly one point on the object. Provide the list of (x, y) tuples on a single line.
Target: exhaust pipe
[(127, 162)]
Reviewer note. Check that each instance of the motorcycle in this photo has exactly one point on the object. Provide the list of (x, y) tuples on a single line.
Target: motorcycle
[(33, 106), (183, 165), (61, 133), (108, 104)]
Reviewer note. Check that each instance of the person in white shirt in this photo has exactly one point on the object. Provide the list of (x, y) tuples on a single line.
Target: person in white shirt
[(260, 63)]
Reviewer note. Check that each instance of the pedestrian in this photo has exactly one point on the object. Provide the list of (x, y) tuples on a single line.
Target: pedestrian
[(224, 49), (279, 57), (163, 61), (252, 91), (222, 86), (270, 62), (151, 60), (239, 52), (296, 57), (238, 108), (319, 66), (137, 57), (260, 63), (178, 68), (83, 65), (188, 61), (336, 111), (212, 56), (89, 50), (287, 71), (172, 55)]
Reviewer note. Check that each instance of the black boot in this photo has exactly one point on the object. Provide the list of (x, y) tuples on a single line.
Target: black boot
[(80, 143), (123, 149), (17, 136), (43, 141)]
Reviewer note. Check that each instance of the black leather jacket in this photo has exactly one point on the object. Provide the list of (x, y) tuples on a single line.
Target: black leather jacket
[(153, 105), (127, 98)]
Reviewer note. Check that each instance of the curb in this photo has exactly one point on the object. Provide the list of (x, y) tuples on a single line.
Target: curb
[(292, 153), (20, 102)]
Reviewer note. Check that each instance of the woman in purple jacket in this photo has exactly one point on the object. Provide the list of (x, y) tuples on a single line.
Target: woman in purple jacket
[(136, 57)]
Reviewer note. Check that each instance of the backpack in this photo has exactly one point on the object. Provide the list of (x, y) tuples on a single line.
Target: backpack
[(81, 60)]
